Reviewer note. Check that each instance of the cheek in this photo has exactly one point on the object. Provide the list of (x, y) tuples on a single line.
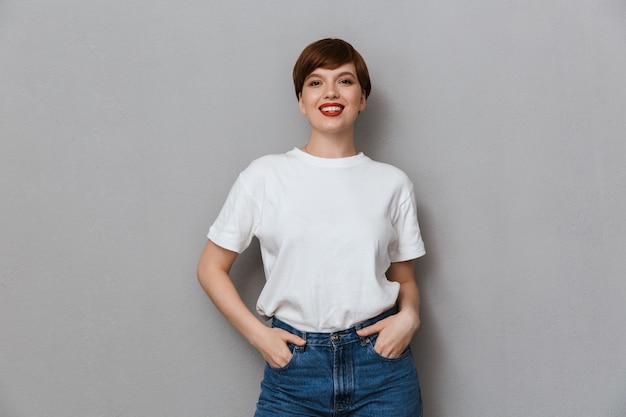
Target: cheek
[(357, 102), (307, 104)]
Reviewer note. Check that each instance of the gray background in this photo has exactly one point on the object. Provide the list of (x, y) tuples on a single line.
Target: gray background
[(124, 124)]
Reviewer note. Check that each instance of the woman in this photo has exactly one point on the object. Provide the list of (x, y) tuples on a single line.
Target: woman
[(339, 236)]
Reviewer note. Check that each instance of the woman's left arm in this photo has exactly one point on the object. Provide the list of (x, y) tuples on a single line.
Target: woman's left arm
[(395, 332)]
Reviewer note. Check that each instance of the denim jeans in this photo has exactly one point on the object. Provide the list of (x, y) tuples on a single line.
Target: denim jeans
[(340, 374)]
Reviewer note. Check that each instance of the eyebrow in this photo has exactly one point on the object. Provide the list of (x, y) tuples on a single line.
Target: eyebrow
[(342, 74)]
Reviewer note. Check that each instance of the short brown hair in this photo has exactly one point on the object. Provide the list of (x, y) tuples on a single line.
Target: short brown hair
[(330, 54)]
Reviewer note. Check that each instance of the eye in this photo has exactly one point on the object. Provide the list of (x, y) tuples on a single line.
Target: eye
[(314, 83), (345, 82)]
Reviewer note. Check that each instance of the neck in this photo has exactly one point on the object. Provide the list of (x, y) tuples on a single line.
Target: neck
[(325, 146)]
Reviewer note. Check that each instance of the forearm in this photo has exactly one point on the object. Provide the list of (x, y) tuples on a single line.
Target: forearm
[(408, 297), (221, 290), (409, 302)]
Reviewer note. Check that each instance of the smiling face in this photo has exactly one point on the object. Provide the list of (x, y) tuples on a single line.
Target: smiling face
[(331, 99)]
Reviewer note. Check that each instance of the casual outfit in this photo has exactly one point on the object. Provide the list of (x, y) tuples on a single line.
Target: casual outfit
[(328, 231)]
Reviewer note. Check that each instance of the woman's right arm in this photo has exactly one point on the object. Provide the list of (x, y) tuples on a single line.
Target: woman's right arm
[(213, 275)]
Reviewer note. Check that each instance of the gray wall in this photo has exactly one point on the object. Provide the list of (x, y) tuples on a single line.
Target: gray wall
[(123, 125)]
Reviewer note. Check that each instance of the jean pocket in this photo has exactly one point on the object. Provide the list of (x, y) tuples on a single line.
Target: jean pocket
[(371, 343)]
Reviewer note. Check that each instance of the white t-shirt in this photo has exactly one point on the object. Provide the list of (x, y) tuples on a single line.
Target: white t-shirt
[(328, 231)]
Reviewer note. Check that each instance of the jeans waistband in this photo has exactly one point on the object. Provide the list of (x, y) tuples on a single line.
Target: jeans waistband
[(333, 338)]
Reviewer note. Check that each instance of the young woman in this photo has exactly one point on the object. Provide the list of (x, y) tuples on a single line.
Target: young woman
[(339, 236)]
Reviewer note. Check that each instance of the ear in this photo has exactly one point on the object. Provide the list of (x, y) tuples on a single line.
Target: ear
[(363, 101), (301, 104)]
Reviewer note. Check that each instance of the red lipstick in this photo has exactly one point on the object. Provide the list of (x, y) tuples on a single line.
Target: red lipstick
[(331, 109)]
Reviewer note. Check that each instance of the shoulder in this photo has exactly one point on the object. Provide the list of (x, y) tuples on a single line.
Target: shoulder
[(389, 173), (263, 166), (266, 161)]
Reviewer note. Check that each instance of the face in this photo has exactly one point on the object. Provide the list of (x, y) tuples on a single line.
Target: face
[(332, 98)]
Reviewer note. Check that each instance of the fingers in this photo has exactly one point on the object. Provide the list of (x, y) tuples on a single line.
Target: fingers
[(296, 340), (390, 348), (373, 329), (393, 337), (274, 347), (276, 352)]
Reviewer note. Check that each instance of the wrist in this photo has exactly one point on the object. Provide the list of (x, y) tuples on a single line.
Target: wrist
[(256, 333), (411, 318)]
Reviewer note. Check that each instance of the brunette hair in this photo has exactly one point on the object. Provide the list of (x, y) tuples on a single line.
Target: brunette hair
[(329, 54)]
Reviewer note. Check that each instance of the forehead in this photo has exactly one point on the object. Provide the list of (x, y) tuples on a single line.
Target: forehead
[(345, 69)]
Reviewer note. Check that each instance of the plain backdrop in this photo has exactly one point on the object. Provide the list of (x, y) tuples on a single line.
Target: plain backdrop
[(124, 123)]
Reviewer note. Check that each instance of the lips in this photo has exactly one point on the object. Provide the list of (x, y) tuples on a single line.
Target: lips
[(331, 109)]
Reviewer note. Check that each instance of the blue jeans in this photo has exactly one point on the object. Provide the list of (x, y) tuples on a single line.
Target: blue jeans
[(340, 374)]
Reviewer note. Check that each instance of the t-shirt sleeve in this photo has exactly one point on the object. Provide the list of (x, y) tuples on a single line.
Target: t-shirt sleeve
[(408, 244), (237, 221)]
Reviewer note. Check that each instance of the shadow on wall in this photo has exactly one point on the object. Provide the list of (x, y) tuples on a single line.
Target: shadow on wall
[(427, 346), (370, 128)]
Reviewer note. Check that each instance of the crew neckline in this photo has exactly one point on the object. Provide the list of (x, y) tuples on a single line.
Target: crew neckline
[(346, 161)]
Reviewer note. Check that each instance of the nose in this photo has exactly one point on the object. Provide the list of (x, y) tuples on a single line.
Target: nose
[(331, 91)]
